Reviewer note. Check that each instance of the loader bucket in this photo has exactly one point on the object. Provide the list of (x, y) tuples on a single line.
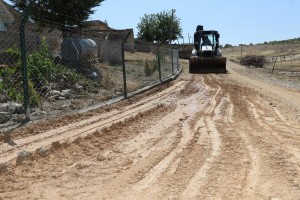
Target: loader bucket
[(207, 65)]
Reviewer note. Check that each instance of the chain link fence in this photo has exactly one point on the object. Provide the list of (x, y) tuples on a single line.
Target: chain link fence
[(281, 56), (284, 62), (11, 84), (65, 71)]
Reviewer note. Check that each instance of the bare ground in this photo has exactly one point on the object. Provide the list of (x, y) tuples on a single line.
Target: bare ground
[(211, 136)]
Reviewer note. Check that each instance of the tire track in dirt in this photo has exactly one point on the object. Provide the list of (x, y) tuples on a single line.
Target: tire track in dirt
[(174, 162), (232, 148), (282, 135), (199, 179), (276, 165), (276, 124), (255, 122), (252, 154), (186, 136), (8, 153), (77, 156), (265, 139), (187, 168), (157, 153), (281, 122), (209, 138)]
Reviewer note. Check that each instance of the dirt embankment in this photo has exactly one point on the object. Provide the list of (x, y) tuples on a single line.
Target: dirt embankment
[(212, 136)]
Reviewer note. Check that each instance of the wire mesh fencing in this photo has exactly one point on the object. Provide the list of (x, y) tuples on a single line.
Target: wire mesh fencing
[(71, 69), (11, 84), (283, 56), (141, 66), (284, 63), (169, 61)]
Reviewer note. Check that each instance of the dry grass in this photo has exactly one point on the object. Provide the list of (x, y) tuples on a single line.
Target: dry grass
[(264, 50), (133, 86), (269, 51), (139, 56), (107, 80), (293, 66)]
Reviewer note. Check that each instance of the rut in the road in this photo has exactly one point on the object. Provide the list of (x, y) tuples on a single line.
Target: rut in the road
[(203, 138)]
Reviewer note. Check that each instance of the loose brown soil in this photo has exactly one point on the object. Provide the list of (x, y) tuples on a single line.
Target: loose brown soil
[(203, 136)]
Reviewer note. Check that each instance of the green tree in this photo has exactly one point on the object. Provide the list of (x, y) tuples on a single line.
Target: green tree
[(68, 13), (227, 46), (159, 27), (148, 27)]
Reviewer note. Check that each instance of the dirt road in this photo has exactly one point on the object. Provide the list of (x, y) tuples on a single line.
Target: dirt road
[(212, 136)]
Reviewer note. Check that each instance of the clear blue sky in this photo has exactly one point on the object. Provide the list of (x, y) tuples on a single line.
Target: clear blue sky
[(238, 21)]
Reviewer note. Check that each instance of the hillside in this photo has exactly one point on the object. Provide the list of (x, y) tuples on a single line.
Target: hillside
[(284, 56)]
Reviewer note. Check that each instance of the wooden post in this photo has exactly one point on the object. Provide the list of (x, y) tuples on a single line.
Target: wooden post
[(241, 51), (274, 64)]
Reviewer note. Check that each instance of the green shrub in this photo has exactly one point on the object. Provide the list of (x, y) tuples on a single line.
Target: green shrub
[(12, 86), (35, 97), (11, 83), (14, 53), (42, 68), (41, 72)]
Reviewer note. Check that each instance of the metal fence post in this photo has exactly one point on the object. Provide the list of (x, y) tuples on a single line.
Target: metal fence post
[(124, 70), (177, 54), (159, 64), (24, 63), (123, 64), (172, 57)]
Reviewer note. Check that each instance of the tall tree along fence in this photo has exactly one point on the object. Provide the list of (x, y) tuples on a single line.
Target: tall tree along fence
[(43, 74)]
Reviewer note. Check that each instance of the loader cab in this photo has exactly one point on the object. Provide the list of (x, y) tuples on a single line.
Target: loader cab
[(206, 43), (206, 57)]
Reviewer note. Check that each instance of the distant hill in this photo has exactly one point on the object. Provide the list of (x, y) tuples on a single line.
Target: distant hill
[(289, 41)]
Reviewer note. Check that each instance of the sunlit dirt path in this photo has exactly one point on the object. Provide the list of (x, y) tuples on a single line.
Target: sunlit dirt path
[(203, 136)]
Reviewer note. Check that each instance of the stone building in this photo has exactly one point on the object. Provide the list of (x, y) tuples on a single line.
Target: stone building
[(6, 16), (108, 40), (8, 38)]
